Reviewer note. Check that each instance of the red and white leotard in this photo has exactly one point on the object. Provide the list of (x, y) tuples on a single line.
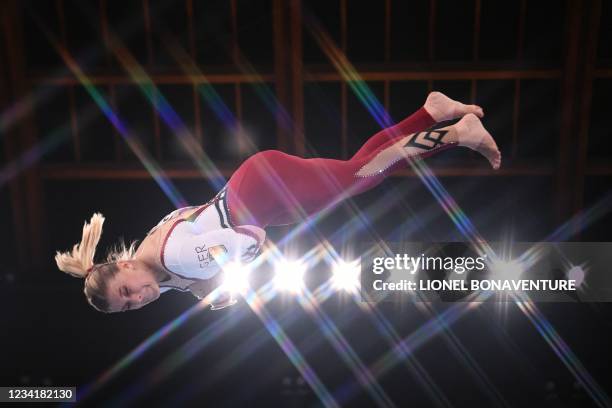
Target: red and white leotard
[(186, 247)]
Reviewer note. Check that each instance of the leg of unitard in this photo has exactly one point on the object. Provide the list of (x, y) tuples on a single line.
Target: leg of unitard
[(275, 188), (417, 122)]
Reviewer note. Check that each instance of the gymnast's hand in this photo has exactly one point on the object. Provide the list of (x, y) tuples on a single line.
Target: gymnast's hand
[(258, 234)]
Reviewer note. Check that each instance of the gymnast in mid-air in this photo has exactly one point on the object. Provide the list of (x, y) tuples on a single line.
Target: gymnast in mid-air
[(187, 248)]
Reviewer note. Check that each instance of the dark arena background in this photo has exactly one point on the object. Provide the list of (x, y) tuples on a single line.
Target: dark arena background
[(105, 103)]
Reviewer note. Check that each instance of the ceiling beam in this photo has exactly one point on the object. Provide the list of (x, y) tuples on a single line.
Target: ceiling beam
[(29, 206)]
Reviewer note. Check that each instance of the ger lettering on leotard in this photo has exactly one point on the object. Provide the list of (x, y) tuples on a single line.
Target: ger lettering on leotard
[(195, 247)]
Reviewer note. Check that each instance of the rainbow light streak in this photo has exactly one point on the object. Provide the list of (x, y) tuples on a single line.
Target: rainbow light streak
[(403, 353), (462, 353), (156, 172), (344, 350), (468, 361), (386, 329), (544, 327), (196, 344), (290, 350), (563, 351), (311, 220), (249, 347), (265, 94), (245, 350), (179, 357), (86, 390), (167, 113), (350, 227), (453, 210), (167, 187), (255, 341), (210, 96), (148, 162), (50, 142), (17, 111), (348, 73), (449, 205), (418, 338), (569, 228), (366, 96), (582, 219), (33, 155), (203, 86)]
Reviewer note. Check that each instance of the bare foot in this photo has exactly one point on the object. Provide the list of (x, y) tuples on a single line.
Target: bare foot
[(442, 108), (471, 133)]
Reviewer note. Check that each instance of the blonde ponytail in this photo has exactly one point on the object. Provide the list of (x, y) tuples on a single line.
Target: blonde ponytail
[(79, 262)]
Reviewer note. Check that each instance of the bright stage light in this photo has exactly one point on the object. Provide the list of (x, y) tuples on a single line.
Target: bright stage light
[(289, 275), (509, 270), (346, 276), (576, 273), (236, 278)]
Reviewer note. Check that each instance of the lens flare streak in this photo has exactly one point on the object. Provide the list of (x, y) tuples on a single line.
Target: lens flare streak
[(562, 350), (156, 172), (290, 350)]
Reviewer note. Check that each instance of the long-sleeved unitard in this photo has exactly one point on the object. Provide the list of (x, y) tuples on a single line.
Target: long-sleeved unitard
[(274, 188)]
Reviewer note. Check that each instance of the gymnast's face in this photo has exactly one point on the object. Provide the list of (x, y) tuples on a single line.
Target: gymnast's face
[(132, 287)]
